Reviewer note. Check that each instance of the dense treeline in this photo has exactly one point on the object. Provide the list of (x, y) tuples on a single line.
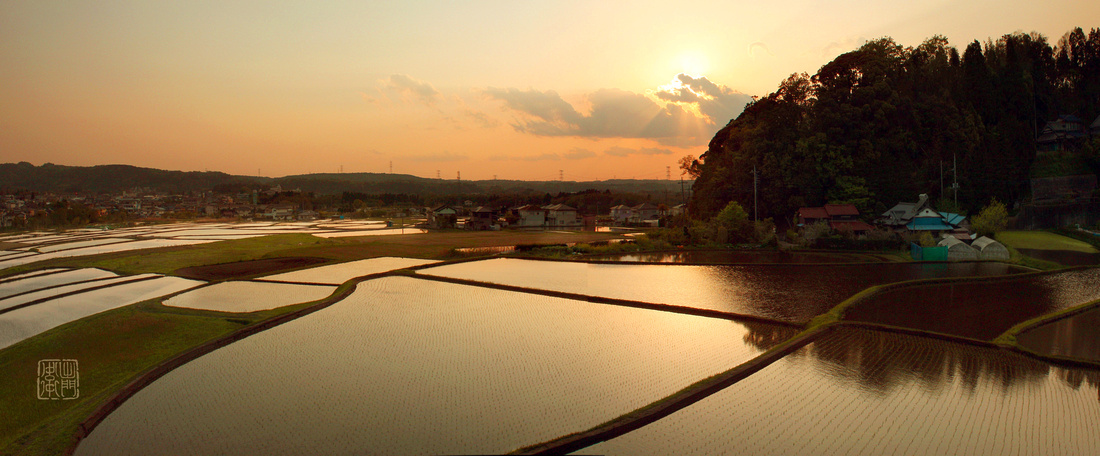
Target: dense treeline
[(875, 126)]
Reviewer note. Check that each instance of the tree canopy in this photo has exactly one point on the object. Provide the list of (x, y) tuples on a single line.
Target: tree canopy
[(882, 123)]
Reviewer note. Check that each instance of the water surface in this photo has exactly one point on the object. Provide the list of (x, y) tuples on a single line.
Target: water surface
[(794, 293), (858, 392), (409, 366), (1077, 336), (738, 257), (979, 310)]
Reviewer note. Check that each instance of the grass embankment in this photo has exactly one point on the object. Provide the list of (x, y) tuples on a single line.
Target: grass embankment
[(1043, 240), (112, 348), (1040, 240)]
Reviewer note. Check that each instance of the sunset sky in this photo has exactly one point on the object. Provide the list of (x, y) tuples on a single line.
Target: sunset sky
[(508, 89)]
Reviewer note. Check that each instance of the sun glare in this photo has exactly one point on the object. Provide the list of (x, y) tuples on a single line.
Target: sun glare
[(693, 63)]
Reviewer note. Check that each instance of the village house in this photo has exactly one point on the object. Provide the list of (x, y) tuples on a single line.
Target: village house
[(481, 219), (442, 217), (560, 215), (837, 216), (1065, 133), (530, 216), (621, 214)]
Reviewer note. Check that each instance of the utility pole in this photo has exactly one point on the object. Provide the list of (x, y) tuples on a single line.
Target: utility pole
[(955, 171), (683, 199), (391, 166), (754, 179), (437, 175), (459, 175)]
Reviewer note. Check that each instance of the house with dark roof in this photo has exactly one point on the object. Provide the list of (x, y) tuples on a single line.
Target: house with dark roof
[(443, 217), (902, 213), (481, 219), (1066, 132), (561, 215), (530, 216)]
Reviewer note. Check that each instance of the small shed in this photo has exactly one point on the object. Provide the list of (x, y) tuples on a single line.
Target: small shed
[(958, 250), (988, 249)]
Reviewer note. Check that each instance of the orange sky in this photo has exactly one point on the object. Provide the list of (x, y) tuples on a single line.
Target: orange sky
[(516, 90)]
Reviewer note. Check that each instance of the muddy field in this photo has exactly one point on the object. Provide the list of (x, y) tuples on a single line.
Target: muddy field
[(246, 268)]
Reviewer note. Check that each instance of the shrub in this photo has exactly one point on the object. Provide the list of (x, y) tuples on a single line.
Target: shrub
[(991, 219), (811, 232)]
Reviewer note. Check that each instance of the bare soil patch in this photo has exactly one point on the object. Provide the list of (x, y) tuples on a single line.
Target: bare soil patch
[(246, 268)]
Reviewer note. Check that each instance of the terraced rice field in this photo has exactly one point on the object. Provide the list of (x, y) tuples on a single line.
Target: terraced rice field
[(30, 274), (413, 366), (336, 274), (109, 248), (794, 293), (23, 285), (13, 303), (1075, 337), (981, 310), (857, 392), (77, 245), (71, 243), (739, 257), (248, 296), (25, 322), (383, 232)]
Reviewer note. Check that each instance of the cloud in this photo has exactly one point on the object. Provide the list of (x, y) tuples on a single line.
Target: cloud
[(688, 111), (444, 156), (759, 47), (549, 114), (574, 154), (480, 118), (717, 103), (578, 153), (626, 151), (409, 87), (836, 48)]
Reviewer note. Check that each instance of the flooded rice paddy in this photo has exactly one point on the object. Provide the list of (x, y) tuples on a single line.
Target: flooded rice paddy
[(1077, 336), (382, 232), (739, 257), (23, 285), (980, 310), (794, 293), (21, 299), (410, 366), (859, 392), (336, 274), (39, 272), (25, 322), (45, 245), (248, 296)]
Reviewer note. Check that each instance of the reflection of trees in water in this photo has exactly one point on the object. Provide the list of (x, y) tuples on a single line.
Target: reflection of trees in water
[(980, 310), (765, 336), (882, 362), (1074, 336), (1075, 378)]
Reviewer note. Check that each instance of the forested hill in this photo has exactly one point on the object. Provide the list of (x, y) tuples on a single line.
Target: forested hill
[(110, 179), (24, 176), (874, 125)]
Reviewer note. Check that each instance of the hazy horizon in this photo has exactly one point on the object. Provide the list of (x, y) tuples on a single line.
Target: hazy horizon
[(517, 91)]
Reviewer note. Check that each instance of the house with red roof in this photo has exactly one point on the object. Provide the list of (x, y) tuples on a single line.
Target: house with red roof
[(838, 216)]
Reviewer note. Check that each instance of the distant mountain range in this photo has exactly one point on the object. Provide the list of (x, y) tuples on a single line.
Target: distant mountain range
[(49, 177)]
